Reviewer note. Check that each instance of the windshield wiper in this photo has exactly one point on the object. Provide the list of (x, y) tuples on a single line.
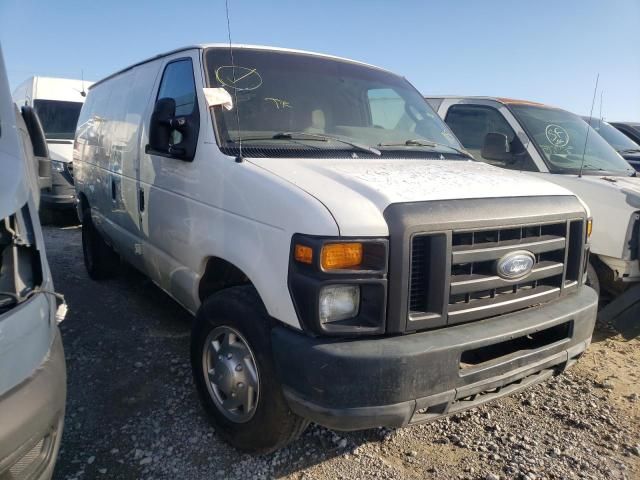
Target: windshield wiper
[(630, 150), (314, 136), (416, 142)]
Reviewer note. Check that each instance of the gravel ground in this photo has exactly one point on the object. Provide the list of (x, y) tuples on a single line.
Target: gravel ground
[(132, 410)]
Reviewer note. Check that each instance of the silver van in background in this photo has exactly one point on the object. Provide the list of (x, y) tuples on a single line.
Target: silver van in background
[(32, 363)]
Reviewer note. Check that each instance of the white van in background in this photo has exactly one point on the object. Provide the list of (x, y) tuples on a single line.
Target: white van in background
[(57, 102), (346, 261), (32, 363), (562, 148)]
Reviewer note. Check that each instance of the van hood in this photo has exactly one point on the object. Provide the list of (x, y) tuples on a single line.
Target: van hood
[(59, 151), (613, 203), (357, 192), (583, 186)]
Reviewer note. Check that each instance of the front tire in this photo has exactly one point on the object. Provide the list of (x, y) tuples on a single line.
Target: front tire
[(235, 376), (100, 261)]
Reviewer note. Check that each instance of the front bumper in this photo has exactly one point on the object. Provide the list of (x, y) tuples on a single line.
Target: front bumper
[(62, 193), (31, 420), (406, 379)]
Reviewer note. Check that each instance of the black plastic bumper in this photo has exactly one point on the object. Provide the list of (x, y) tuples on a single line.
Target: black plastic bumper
[(395, 381)]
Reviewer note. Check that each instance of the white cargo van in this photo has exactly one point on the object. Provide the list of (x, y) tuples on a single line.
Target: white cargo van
[(57, 102), (346, 261), (32, 365), (527, 136)]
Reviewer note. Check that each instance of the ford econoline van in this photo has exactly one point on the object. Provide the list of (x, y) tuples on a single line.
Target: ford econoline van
[(346, 261), (57, 102), (32, 365), (560, 147)]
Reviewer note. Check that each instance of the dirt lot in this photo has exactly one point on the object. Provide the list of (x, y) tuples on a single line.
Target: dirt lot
[(132, 410)]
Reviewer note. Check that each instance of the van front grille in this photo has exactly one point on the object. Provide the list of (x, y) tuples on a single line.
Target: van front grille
[(474, 290)]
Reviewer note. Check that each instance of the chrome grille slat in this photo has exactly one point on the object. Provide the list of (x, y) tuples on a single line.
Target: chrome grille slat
[(495, 250), (488, 307), (475, 283)]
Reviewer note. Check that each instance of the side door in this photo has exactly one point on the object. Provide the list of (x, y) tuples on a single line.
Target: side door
[(167, 178), (125, 148), (488, 136)]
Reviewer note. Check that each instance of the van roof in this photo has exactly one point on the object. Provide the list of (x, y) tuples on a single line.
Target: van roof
[(504, 100), (53, 88), (203, 46)]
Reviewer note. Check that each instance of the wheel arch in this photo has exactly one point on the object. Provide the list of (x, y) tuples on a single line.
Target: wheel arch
[(220, 274), (82, 205)]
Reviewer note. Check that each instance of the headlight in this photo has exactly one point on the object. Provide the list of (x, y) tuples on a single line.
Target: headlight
[(57, 166), (339, 285), (339, 302)]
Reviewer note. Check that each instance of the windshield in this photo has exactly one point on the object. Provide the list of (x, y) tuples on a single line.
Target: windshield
[(58, 118), (561, 136), (615, 137), (325, 102)]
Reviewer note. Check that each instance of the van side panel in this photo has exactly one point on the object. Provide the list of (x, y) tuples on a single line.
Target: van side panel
[(128, 106), (91, 172), (136, 108)]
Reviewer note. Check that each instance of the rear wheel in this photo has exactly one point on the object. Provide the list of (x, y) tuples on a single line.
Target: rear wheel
[(100, 260), (234, 373)]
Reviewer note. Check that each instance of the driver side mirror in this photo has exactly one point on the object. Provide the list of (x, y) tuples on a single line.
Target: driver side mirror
[(39, 145), (171, 135), (496, 147)]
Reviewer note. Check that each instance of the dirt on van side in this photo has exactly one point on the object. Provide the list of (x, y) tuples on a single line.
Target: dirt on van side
[(132, 410)]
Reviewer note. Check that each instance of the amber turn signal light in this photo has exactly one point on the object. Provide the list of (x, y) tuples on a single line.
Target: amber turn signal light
[(589, 227), (303, 254), (341, 256)]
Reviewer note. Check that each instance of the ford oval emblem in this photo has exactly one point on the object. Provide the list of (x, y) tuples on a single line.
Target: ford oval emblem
[(516, 265)]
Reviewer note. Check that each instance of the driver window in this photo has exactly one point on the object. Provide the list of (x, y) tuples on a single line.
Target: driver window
[(177, 83), (388, 110), (472, 123)]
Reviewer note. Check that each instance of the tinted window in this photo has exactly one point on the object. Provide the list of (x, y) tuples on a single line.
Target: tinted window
[(292, 92), (178, 83), (472, 123), (59, 119), (568, 142), (630, 132), (615, 137)]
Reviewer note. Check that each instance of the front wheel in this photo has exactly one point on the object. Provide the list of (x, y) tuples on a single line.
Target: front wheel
[(234, 373)]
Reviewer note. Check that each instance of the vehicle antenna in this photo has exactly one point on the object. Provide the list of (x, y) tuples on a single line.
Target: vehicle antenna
[(239, 158), (586, 139), (83, 92), (601, 119)]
